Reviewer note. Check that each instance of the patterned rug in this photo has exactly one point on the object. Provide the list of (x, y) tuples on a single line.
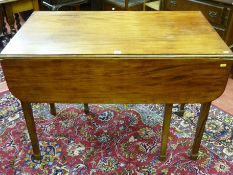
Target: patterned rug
[(113, 139)]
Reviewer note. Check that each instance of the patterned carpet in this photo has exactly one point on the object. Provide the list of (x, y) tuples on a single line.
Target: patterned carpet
[(113, 139)]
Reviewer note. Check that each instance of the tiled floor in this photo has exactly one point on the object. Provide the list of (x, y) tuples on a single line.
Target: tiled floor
[(3, 87), (225, 101)]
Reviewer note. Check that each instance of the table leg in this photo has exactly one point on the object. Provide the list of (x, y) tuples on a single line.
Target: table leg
[(165, 130), (2, 23), (86, 108), (182, 107), (10, 17), (35, 5), (52, 109), (28, 115), (17, 20), (6, 37), (181, 112), (205, 107)]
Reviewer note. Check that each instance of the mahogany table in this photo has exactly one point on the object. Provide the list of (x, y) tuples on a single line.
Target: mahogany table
[(117, 57)]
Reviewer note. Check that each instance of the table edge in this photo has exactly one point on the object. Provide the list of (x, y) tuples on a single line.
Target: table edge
[(116, 56)]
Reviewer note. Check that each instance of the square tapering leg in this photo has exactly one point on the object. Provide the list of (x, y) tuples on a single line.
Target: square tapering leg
[(165, 130), (52, 108), (28, 115), (86, 108), (181, 110), (205, 107)]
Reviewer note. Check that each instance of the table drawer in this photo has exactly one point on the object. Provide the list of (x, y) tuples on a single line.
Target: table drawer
[(213, 12)]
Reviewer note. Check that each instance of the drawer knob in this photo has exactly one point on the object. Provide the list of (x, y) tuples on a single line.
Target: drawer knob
[(213, 14), (173, 3)]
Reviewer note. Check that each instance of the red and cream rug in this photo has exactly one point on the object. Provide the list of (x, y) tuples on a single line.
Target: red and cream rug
[(113, 139)]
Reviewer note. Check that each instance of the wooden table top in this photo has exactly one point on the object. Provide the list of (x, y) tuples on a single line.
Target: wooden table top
[(114, 33)]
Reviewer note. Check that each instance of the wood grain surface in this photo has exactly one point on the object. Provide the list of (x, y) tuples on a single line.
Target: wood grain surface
[(116, 80), (50, 33)]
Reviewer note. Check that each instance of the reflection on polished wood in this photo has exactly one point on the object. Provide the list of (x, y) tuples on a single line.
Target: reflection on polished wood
[(150, 33), (142, 57)]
